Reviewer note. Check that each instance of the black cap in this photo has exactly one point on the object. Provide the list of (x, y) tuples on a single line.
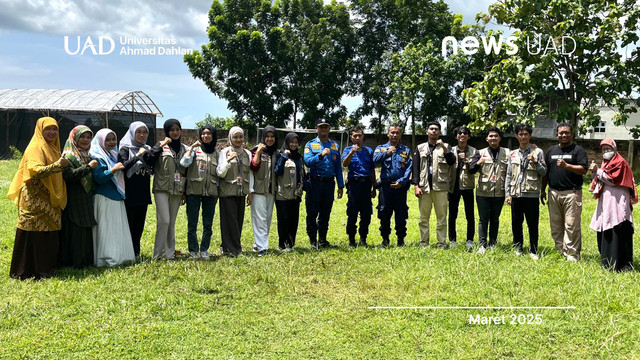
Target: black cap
[(322, 121)]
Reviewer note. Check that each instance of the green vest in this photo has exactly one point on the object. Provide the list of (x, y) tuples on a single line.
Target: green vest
[(238, 174), (169, 176), (493, 173), (443, 173), (202, 178)]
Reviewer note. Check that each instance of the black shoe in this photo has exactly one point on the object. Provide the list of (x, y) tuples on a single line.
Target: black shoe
[(326, 245), (262, 253), (352, 244), (400, 242), (363, 242), (314, 244), (384, 245)]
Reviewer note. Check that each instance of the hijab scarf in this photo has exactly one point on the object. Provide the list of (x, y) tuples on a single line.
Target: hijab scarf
[(99, 151), (174, 144), (79, 156), (211, 147), (39, 152)]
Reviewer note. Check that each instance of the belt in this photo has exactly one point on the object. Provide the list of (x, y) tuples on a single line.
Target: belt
[(322, 179), (360, 179)]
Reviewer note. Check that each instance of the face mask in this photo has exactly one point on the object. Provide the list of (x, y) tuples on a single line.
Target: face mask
[(608, 155)]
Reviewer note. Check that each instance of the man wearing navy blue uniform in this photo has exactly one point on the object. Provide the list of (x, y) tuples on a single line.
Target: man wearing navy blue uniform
[(395, 159), (322, 157), (360, 179)]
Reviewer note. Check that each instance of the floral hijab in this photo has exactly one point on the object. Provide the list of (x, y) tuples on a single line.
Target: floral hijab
[(77, 155)]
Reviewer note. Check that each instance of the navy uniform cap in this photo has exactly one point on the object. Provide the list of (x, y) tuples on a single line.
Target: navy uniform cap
[(322, 121)]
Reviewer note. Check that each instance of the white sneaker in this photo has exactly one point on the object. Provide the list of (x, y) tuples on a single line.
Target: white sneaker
[(205, 255), (287, 249), (571, 258), (517, 252), (193, 255), (481, 250), (533, 256)]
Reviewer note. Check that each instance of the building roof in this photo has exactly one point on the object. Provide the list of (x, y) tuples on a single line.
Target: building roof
[(77, 100)]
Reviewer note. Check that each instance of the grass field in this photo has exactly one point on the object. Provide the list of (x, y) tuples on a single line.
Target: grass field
[(315, 304)]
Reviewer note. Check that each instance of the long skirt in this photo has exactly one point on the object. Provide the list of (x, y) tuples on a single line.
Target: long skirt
[(35, 254), (76, 244), (111, 237), (616, 247)]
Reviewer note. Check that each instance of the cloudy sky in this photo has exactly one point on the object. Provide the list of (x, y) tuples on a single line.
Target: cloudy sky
[(32, 39)]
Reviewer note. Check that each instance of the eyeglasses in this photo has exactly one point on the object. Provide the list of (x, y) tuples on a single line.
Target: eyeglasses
[(463, 133)]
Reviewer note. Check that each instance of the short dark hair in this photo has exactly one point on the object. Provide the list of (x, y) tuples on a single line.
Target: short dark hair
[(430, 123), (525, 127), (356, 128), (494, 129), (462, 128), (564, 125), (394, 125)]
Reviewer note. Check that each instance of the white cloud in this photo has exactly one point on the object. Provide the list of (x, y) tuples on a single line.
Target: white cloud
[(182, 20), (23, 68)]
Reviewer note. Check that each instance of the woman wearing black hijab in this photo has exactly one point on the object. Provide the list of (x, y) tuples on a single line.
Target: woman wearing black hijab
[(263, 189), (201, 161), (289, 172), (168, 190)]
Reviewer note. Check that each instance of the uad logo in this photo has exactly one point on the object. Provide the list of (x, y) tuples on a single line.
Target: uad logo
[(90, 45)]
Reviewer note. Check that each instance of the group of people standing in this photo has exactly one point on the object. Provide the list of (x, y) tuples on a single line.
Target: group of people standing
[(88, 206)]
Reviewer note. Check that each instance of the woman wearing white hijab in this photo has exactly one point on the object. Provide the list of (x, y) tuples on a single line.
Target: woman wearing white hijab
[(138, 159), (235, 180), (111, 237)]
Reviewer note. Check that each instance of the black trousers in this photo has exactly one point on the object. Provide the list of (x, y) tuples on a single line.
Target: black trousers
[(489, 209), (392, 201), (136, 215), (454, 202), (231, 219), (359, 194), (529, 208), (319, 201), (288, 213)]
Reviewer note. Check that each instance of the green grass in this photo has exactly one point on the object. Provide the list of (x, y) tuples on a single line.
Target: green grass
[(315, 304)]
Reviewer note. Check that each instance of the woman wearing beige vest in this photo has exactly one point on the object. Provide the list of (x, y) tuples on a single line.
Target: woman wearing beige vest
[(168, 189), (201, 162), (263, 159), (235, 179), (289, 173)]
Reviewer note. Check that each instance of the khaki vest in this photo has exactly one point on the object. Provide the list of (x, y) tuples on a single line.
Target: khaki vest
[(202, 178), (165, 170), (492, 175), (287, 187), (229, 184), (443, 173), (264, 176), (531, 182), (466, 179)]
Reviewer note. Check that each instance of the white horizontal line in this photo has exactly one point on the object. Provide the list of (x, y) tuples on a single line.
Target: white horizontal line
[(469, 307)]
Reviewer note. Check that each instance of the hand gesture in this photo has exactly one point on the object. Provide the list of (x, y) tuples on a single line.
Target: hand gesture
[(508, 200), (117, 167), (355, 148), (481, 161), (462, 156), (287, 152), (249, 199), (166, 141), (231, 155), (533, 158), (195, 144), (561, 163), (93, 164), (64, 162), (141, 151), (441, 144), (593, 167), (418, 191), (391, 150), (261, 147), (325, 152)]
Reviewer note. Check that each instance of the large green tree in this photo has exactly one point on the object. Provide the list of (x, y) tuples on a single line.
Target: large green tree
[(539, 80), (271, 61)]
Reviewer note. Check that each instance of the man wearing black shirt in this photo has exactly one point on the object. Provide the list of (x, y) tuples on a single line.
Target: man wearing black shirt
[(566, 163)]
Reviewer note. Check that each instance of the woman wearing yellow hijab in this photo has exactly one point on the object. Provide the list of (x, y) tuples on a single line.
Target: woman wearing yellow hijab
[(40, 194)]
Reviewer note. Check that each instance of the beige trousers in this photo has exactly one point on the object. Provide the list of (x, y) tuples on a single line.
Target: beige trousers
[(565, 209), (440, 202)]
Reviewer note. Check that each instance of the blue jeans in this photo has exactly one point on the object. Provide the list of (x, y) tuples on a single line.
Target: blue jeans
[(193, 211)]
